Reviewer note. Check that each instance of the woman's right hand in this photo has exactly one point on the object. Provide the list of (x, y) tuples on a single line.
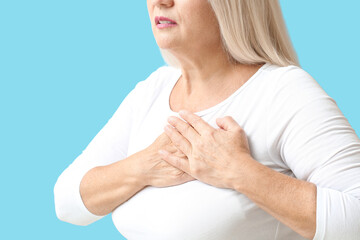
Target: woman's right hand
[(104, 188), (157, 172)]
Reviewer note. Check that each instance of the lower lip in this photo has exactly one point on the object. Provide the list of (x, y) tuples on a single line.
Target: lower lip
[(165, 25)]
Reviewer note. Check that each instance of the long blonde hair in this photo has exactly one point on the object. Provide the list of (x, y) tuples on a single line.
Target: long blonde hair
[(252, 32)]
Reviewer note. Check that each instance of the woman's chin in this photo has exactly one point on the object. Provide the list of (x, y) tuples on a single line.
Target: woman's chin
[(166, 47), (167, 43)]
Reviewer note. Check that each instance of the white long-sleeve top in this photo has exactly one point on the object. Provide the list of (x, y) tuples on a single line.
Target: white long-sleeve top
[(292, 126)]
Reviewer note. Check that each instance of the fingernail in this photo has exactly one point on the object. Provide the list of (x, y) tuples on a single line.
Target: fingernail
[(182, 112), (171, 119), (163, 152)]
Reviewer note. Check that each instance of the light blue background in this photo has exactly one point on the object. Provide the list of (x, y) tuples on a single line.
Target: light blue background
[(65, 66)]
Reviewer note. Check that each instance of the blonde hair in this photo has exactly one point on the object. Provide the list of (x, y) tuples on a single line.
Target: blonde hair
[(252, 32)]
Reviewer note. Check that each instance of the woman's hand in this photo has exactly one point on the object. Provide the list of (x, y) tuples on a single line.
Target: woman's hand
[(214, 156), (157, 172)]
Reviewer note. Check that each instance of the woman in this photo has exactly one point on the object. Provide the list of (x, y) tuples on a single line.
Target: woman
[(233, 140)]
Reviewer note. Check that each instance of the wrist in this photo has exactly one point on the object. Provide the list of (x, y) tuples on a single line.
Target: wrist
[(134, 173), (242, 175)]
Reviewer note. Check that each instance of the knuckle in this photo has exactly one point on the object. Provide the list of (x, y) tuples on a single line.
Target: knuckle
[(162, 165), (239, 130), (176, 162), (179, 153), (210, 134), (179, 174), (186, 128), (196, 171), (196, 120)]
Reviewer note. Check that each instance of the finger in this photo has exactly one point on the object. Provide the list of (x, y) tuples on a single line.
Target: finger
[(227, 123), (184, 128), (196, 122), (187, 177), (180, 163), (178, 140)]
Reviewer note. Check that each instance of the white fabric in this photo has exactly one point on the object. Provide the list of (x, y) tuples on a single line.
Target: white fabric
[(292, 125)]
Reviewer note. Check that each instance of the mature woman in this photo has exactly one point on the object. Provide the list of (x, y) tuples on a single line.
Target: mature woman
[(233, 140)]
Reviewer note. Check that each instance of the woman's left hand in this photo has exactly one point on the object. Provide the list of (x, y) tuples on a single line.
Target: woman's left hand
[(217, 157)]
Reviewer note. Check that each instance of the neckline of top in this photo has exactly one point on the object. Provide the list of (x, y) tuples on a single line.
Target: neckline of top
[(177, 76)]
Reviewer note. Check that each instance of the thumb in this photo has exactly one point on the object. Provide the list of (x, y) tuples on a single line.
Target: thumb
[(227, 123)]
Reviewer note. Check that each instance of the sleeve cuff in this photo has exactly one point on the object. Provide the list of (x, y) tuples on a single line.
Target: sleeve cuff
[(337, 215), (69, 205)]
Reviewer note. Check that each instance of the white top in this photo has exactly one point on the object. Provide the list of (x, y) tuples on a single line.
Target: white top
[(292, 126)]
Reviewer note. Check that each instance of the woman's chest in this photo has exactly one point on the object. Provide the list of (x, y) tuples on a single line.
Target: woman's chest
[(195, 210), (251, 118)]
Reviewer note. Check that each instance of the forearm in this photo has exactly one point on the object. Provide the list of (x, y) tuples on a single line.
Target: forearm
[(104, 188), (291, 201)]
